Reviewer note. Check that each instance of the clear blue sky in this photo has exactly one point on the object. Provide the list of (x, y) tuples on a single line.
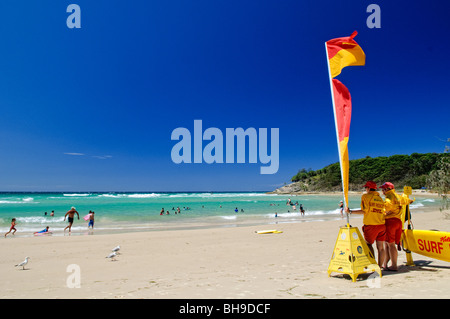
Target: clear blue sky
[(115, 89)]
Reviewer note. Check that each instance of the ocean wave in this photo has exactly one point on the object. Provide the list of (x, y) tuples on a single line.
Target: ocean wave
[(76, 195), (416, 205), (39, 220), (307, 213), (220, 195), (110, 195), (10, 202), (229, 217), (138, 195), (23, 201), (143, 195)]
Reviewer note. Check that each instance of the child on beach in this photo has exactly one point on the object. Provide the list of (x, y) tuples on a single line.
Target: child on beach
[(13, 226), (91, 220)]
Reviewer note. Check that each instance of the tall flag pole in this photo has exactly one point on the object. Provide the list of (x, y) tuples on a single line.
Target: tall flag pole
[(342, 52)]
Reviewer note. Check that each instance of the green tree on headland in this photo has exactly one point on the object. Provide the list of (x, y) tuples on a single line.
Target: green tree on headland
[(411, 170), (439, 180)]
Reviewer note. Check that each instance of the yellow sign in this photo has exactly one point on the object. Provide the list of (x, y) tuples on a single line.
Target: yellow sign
[(351, 255), (407, 190), (434, 244)]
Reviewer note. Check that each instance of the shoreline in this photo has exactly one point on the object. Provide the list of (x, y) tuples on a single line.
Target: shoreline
[(181, 226), (337, 193), (213, 263)]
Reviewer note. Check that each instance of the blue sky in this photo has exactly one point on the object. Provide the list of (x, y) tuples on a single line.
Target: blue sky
[(115, 89)]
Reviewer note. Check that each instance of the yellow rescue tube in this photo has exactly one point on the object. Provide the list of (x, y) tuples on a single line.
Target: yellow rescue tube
[(430, 243), (271, 231)]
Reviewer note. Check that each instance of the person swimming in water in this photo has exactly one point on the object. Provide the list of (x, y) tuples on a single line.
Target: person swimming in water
[(45, 230)]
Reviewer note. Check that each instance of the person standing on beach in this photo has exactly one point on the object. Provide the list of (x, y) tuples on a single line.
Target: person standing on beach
[(393, 224), (71, 214), (341, 208), (91, 220), (374, 229), (13, 226)]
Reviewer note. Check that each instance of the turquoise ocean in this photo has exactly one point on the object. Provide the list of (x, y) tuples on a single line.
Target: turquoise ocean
[(138, 211)]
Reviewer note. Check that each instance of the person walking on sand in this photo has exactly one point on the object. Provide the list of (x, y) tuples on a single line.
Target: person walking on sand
[(13, 226), (341, 208), (374, 229), (71, 214), (393, 224)]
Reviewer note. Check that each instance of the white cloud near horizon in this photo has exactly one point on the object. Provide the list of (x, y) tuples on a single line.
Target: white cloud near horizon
[(94, 156), (102, 157), (75, 154)]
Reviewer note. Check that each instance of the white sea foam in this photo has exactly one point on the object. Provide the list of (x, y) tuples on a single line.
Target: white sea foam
[(416, 205), (76, 195), (110, 195), (23, 201), (39, 220), (229, 217), (219, 195), (143, 195)]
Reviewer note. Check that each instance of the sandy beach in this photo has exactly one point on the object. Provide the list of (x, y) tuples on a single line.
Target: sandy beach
[(232, 262)]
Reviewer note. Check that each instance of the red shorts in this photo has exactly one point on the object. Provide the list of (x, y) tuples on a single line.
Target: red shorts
[(374, 232), (393, 230)]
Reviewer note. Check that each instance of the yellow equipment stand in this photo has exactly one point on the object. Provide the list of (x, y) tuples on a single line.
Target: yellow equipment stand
[(407, 190), (351, 255), (431, 243)]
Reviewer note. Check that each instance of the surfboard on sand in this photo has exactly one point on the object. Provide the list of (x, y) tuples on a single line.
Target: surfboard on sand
[(269, 231)]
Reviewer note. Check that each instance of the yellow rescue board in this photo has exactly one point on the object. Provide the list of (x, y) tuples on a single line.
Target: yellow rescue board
[(270, 231), (430, 243)]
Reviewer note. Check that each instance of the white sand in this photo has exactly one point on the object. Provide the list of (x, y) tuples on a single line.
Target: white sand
[(211, 263)]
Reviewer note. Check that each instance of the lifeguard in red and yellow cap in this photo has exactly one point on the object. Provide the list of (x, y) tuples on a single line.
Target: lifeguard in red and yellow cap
[(374, 229), (393, 224)]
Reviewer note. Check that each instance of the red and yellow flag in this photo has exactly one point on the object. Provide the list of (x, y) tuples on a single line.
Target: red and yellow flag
[(342, 52), (343, 113)]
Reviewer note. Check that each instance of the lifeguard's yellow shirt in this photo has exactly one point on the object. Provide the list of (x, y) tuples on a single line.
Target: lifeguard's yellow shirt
[(373, 206), (392, 203)]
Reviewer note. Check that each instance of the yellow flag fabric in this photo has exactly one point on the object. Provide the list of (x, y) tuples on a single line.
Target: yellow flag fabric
[(344, 52)]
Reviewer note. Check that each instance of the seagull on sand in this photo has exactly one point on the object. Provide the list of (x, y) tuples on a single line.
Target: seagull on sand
[(116, 249), (23, 263), (112, 256)]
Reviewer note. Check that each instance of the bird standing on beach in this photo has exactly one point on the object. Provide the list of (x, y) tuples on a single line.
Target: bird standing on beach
[(116, 249), (23, 263), (112, 256)]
